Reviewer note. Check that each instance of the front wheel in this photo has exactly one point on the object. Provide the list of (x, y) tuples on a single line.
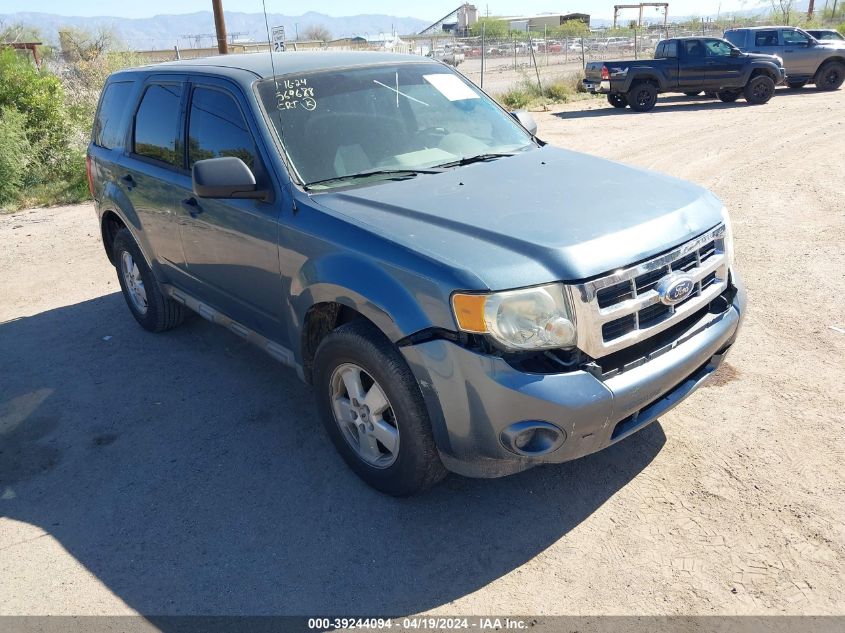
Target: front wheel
[(373, 410), (759, 90), (728, 96), (830, 76), (642, 96), (617, 100)]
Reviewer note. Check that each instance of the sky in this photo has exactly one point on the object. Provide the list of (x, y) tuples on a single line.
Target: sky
[(423, 9)]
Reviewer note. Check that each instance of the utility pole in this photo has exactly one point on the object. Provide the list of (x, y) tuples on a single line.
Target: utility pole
[(810, 9), (220, 27)]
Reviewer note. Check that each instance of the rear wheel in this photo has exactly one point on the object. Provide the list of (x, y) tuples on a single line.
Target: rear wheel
[(728, 96), (150, 307), (642, 96), (617, 100), (830, 76), (373, 410), (796, 85), (759, 89)]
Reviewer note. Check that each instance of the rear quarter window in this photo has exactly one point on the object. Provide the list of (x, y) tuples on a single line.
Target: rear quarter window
[(110, 122)]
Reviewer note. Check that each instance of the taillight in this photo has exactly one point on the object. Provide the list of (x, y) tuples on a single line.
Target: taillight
[(88, 173), (605, 73)]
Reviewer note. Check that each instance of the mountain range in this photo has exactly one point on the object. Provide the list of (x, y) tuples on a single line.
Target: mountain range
[(166, 31)]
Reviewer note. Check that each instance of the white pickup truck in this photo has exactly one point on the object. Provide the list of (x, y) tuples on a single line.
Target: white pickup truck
[(449, 56)]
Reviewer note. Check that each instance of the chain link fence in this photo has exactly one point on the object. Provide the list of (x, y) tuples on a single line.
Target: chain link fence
[(500, 64)]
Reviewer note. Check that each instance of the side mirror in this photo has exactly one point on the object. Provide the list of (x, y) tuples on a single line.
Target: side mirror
[(226, 177), (735, 52), (526, 120)]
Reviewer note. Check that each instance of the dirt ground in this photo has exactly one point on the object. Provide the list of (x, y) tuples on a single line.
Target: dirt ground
[(185, 473)]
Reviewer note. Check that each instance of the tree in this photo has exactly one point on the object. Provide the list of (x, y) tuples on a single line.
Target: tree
[(80, 45), (783, 9), (571, 28), (318, 32), (493, 28)]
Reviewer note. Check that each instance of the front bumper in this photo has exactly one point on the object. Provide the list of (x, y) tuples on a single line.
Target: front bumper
[(596, 87), (472, 398)]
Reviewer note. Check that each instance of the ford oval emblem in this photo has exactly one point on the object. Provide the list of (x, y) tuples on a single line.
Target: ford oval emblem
[(674, 288)]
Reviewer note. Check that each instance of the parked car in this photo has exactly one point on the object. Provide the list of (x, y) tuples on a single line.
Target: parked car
[(806, 59), (826, 35), (450, 56), (452, 287), (688, 65)]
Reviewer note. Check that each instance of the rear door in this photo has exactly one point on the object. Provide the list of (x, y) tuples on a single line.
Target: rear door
[(692, 72), (148, 171), (723, 69), (231, 250)]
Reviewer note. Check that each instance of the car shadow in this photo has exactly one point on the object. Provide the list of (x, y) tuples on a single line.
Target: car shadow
[(677, 103), (188, 473)]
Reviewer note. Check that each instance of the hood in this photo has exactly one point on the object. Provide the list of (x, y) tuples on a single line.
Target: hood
[(543, 215)]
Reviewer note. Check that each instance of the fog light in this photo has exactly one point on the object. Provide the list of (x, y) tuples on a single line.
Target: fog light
[(532, 438)]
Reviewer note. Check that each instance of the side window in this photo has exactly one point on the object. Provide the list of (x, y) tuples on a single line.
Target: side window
[(737, 38), (717, 48), (672, 48), (109, 124), (157, 124), (766, 38), (795, 38), (217, 128), (660, 52), (693, 48)]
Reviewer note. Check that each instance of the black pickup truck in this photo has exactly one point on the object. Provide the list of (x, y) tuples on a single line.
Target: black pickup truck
[(687, 65)]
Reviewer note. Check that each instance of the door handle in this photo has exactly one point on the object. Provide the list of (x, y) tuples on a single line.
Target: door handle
[(129, 181), (789, 50), (193, 207)]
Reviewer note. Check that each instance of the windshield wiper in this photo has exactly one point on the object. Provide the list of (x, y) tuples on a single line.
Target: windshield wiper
[(480, 158), (394, 173)]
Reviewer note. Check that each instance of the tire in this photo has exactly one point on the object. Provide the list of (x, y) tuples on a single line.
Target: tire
[(728, 96), (358, 349), (796, 85), (642, 96), (693, 94), (617, 100), (830, 76), (150, 307), (759, 90)]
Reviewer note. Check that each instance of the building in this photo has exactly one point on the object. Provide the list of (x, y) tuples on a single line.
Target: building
[(543, 21)]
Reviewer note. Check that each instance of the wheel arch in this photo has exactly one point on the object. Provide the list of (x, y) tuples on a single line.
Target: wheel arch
[(833, 58)]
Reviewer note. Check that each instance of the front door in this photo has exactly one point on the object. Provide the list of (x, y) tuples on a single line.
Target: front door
[(231, 248), (723, 69), (799, 58)]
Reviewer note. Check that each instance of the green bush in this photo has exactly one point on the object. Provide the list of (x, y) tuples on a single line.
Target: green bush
[(841, 28), (41, 141), (14, 154)]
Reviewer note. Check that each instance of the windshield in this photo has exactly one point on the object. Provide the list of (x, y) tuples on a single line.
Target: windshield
[(826, 35), (402, 117)]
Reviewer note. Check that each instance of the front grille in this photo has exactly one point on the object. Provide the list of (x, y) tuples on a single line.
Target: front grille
[(623, 308)]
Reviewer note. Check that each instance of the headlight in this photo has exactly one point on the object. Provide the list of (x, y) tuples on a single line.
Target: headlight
[(729, 237), (526, 319)]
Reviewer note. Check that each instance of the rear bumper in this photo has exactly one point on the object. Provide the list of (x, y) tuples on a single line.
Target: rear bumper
[(596, 87), (474, 399)]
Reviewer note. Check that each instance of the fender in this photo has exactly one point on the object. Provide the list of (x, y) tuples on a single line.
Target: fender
[(636, 74), (115, 200), (372, 290)]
